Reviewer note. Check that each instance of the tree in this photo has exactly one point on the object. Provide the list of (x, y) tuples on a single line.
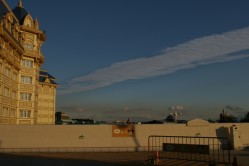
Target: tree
[(224, 118), (170, 118), (246, 118)]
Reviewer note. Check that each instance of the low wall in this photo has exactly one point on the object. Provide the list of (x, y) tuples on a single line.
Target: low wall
[(78, 138)]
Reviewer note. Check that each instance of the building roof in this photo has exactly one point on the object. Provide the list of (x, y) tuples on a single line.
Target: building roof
[(45, 73), (20, 12), (46, 78)]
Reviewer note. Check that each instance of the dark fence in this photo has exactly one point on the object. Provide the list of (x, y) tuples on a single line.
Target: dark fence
[(203, 149)]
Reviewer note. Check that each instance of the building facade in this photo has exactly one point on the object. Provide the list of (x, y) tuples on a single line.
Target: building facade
[(27, 94)]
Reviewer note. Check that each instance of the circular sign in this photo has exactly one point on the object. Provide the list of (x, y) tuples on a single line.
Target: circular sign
[(116, 131)]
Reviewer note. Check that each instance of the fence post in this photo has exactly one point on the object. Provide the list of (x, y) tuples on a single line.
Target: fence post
[(149, 147)]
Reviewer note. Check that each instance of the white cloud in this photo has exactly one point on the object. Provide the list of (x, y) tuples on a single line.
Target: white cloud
[(176, 108), (204, 50)]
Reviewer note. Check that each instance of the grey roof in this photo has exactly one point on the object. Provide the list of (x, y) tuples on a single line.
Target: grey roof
[(45, 75), (20, 14)]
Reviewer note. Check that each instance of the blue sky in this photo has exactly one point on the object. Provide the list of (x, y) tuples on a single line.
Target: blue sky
[(144, 59)]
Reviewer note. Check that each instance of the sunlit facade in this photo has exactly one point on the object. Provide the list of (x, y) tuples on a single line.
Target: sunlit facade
[(27, 94)]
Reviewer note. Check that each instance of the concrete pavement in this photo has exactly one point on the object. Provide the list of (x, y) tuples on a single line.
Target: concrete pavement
[(103, 159)]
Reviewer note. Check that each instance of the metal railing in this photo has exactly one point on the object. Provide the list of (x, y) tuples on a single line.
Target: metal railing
[(203, 149)]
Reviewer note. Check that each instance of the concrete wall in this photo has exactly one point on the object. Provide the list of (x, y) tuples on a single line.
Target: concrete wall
[(99, 137)]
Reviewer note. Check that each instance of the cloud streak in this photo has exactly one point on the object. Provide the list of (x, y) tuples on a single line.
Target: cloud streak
[(201, 51)]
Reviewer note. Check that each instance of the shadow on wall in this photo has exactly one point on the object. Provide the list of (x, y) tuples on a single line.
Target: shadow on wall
[(224, 137), (135, 139)]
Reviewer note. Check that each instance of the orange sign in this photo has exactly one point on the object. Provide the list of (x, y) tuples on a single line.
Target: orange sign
[(123, 131)]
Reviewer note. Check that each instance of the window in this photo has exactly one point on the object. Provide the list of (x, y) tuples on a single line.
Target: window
[(13, 94), (12, 113), (27, 63), (7, 71), (26, 80), (14, 76), (25, 113), (1, 45), (1, 112), (28, 46), (26, 96), (6, 92), (10, 27), (5, 111)]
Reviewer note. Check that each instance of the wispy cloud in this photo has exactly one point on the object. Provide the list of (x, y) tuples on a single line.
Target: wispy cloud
[(233, 108), (205, 50)]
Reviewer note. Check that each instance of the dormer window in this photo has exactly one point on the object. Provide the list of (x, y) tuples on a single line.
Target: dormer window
[(28, 22)]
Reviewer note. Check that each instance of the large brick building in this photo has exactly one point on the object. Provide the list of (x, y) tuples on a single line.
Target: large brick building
[(27, 93)]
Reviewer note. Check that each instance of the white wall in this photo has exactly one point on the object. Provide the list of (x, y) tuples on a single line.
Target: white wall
[(16, 137)]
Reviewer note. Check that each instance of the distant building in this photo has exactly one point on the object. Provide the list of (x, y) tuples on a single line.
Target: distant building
[(153, 122), (62, 118), (27, 94), (83, 121), (46, 98)]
